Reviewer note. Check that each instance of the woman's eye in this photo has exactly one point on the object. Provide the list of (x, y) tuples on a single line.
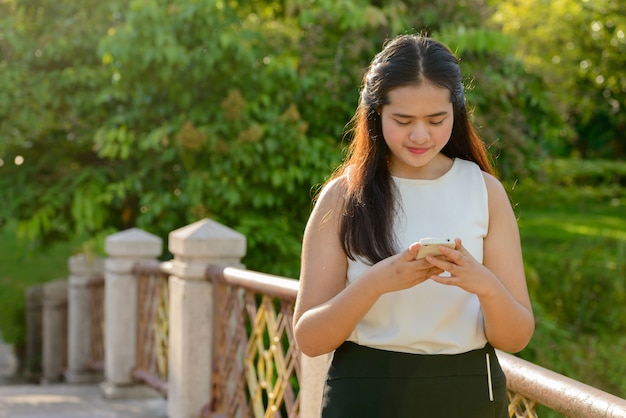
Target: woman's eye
[(402, 123), (439, 122)]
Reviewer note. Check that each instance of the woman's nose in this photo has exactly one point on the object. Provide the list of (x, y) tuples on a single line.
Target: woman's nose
[(419, 133)]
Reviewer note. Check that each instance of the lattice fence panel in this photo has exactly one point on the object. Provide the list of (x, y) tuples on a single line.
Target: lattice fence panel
[(520, 406), (256, 363), (153, 329)]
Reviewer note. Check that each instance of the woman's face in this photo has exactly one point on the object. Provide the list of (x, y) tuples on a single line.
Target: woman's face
[(417, 124)]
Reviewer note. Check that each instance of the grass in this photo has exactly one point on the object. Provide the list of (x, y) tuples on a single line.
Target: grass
[(21, 268), (574, 242)]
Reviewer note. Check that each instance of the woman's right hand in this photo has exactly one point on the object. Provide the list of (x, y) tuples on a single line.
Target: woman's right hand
[(400, 271)]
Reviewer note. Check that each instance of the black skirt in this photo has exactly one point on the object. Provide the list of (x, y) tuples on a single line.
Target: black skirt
[(366, 382)]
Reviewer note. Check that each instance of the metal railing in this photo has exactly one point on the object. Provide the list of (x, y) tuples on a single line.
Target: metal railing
[(530, 384)]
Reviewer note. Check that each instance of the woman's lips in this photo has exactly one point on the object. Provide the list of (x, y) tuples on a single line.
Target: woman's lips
[(417, 151)]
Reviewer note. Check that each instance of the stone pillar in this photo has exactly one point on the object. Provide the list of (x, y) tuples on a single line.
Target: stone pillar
[(191, 310), (54, 331), (82, 269), (314, 370), (124, 249), (34, 331)]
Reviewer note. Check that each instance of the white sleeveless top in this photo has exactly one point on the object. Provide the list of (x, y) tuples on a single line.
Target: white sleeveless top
[(431, 318)]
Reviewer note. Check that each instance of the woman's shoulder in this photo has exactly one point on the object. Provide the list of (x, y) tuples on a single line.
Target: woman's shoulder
[(331, 197), (497, 194), (335, 188), (492, 183), (325, 218)]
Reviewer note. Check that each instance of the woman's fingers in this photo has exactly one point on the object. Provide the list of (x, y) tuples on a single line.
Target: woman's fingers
[(412, 251)]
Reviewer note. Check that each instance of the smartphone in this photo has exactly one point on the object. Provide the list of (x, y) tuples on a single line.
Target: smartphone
[(430, 246)]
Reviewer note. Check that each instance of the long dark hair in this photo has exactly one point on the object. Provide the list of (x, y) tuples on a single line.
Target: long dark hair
[(407, 60)]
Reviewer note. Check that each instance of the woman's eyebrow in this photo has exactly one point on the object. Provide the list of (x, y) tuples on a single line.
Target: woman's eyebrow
[(433, 115)]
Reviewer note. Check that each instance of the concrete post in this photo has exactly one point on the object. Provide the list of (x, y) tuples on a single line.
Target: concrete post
[(191, 310), (314, 370), (124, 250), (82, 269), (54, 331)]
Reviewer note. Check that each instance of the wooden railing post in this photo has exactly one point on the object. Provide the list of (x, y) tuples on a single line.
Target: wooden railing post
[(191, 310), (124, 249), (82, 269)]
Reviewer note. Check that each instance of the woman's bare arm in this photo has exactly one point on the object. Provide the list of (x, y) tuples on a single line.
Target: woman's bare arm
[(323, 318)]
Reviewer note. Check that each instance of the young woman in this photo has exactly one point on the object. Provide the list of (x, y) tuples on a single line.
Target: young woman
[(413, 337)]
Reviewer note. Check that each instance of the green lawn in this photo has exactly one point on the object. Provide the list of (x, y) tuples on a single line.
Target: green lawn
[(574, 245), (20, 269)]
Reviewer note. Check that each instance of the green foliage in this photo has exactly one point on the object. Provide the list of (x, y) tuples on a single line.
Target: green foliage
[(577, 172), (579, 48), (171, 113), (512, 111), (49, 75), (220, 117), (157, 114)]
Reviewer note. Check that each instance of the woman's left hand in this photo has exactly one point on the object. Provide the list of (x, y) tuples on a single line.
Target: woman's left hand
[(465, 271)]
